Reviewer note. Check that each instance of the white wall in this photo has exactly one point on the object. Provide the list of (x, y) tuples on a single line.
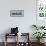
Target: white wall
[(24, 23)]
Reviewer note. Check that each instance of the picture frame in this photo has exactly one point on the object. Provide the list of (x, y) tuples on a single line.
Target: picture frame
[(17, 13)]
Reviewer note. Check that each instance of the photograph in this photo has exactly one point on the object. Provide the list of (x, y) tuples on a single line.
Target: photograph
[(17, 13)]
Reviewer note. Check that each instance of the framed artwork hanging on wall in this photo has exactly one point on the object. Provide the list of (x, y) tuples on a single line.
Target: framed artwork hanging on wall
[(17, 13)]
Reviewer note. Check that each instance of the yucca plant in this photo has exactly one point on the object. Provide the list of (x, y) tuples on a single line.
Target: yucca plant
[(39, 35), (35, 26), (38, 27)]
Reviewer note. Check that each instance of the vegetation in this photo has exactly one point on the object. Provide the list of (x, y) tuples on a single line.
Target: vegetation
[(39, 35), (38, 27)]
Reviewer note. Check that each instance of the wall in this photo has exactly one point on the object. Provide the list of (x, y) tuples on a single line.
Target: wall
[(24, 23)]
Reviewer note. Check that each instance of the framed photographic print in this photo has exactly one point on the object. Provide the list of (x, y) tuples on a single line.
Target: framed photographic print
[(17, 13)]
